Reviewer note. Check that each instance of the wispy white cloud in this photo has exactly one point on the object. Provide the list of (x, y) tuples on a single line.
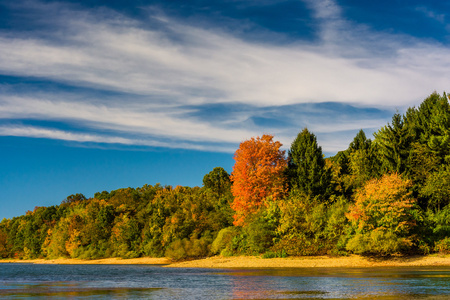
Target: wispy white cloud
[(184, 63), (124, 118), (41, 132), (158, 71), (440, 17)]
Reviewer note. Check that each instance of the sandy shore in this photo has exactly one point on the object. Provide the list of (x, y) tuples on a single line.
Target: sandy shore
[(104, 261), (257, 262), (309, 262)]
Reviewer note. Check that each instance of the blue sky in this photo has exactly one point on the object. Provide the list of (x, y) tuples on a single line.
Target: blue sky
[(100, 95)]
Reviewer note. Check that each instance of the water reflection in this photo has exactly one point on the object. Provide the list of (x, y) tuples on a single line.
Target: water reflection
[(75, 292), (333, 283), (154, 282), (250, 286)]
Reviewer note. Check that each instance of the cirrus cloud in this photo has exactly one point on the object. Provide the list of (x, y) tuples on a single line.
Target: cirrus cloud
[(152, 79)]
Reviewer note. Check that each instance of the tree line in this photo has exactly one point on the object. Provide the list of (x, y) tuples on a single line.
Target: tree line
[(385, 196)]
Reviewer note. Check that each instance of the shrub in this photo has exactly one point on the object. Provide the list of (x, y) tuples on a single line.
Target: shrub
[(226, 252), (176, 250), (153, 248), (378, 242), (188, 248), (272, 254), (310, 227), (443, 246), (223, 239)]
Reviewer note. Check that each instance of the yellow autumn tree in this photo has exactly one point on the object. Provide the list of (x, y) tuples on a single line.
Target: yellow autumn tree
[(382, 216), (257, 174)]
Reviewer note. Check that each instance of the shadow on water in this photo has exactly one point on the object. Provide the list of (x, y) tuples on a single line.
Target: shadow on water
[(67, 291)]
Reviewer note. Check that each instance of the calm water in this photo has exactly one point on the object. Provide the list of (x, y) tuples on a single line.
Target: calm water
[(27, 281)]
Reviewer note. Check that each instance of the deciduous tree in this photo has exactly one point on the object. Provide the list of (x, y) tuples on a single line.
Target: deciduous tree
[(382, 216), (217, 181), (257, 174)]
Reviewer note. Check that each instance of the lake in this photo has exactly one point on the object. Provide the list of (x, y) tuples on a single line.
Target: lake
[(30, 281)]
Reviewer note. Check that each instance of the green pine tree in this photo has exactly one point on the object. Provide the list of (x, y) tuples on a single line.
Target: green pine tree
[(393, 143), (306, 168)]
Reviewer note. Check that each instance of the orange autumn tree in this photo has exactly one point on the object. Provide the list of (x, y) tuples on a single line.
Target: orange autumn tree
[(257, 174)]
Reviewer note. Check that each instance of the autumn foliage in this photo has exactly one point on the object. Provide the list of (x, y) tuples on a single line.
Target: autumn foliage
[(257, 174), (388, 196), (382, 216)]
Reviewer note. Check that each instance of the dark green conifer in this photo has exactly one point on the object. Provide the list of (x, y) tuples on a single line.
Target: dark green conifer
[(306, 167), (393, 142)]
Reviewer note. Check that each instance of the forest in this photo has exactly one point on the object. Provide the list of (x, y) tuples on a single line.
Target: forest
[(383, 196)]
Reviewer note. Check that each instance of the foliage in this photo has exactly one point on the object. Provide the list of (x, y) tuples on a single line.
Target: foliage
[(218, 181), (351, 168), (382, 216), (363, 163), (261, 229), (362, 200), (439, 223), (271, 254), (74, 198), (394, 143), (309, 227), (257, 174), (443, 246), (437, 189), (188, 248), (223, 240), (4, 246), (306, 169), (430, 125)]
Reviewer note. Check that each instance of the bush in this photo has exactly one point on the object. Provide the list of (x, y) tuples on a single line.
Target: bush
[(443, 246), (226, 252), (378, 242), (176, 250), (299, 245), (271, 254), (188, 248), (310, 227), (440, 222), (153, 248), (260, 232), (223, 239)]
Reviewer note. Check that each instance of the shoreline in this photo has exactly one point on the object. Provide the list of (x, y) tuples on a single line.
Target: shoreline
[(352, 261), (102, 261)]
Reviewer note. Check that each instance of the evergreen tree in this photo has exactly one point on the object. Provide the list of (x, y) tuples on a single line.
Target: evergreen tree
[(437, 189), (362, 161), (360, 142), (393, 142), (306, 168), (430, 125)]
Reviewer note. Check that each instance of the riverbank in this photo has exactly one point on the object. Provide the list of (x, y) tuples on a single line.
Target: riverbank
[(352, 261), (103, 261)]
